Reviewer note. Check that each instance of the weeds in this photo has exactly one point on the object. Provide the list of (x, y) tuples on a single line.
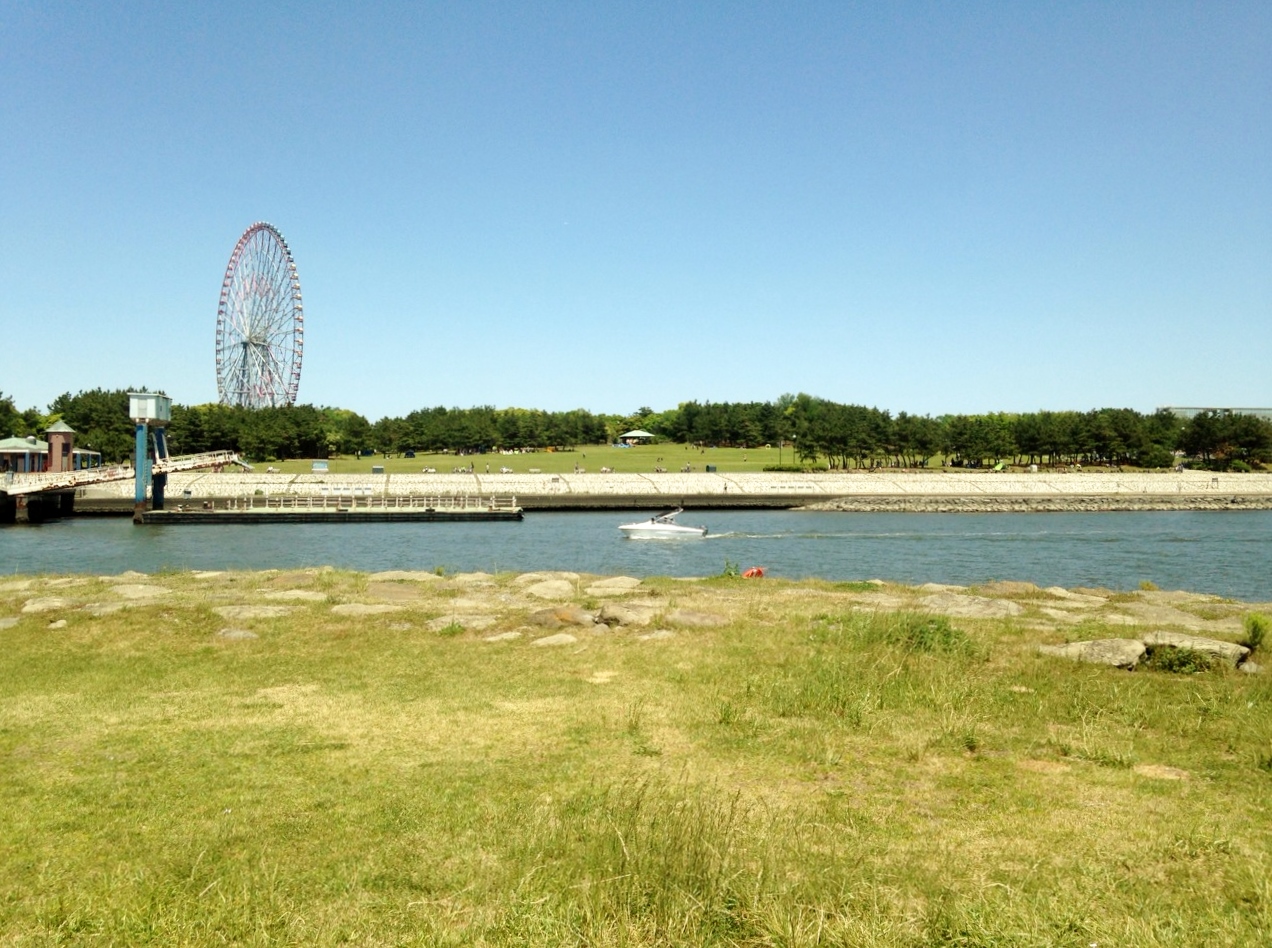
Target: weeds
[(1179, 661), (1256, 627)]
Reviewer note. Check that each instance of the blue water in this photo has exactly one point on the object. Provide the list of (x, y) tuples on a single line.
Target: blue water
[(1226, 553)]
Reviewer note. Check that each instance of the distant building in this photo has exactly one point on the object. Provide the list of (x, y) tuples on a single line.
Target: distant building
[(1190, 411), (30, 455)]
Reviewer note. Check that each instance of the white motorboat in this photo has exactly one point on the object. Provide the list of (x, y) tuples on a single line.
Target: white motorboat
[(661, 527)]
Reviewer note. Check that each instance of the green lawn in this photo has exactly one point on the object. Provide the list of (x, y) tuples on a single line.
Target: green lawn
[(814, 771), (642, 459)]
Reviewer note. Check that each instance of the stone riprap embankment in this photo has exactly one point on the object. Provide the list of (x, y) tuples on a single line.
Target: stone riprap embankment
[(933, 491), (563, 608)]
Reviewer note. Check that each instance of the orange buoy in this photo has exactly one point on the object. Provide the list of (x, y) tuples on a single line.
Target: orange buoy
[(755, 572)]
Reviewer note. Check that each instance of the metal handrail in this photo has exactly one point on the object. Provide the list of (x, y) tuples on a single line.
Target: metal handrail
[(351, 501)]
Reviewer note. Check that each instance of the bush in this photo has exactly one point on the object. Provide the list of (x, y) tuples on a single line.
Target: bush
[(1179, 661), (923, 633), (1240, 467), (1256, 626)]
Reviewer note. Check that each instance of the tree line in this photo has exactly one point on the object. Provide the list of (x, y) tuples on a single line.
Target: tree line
[(820, 432)]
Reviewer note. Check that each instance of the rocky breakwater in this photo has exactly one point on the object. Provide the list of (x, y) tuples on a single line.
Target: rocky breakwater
[(1044, 504), (1047, 491)]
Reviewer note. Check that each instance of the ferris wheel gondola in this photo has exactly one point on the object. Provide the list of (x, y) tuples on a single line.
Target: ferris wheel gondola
[(260, 323)]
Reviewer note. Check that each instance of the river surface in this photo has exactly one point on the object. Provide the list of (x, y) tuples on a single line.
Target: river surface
[(1226, 553)]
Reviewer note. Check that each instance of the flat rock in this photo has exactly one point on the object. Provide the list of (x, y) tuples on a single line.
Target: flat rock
[(1060, 615), (65, 581), (940, 588), (15, 585), (881, 602), (252, 612), (970, 607), (561, 638), (614, 586), (1119, 618), (136, 591), (1076, 598), (689, 618), (1120, 653), (1228, 652), (394, 592), (364, 608), (45, 604), (1151, 613), (465, 604), (1006, 587), (300, 595), (8, 622), (236, 634), (105, 608), (527, 579), (1090, 591), (207, 573), (627, 613), (128, 576), (473, 579), (404, 576), (1250, 668), (557, 616), (1176, 596), (468, 623), (657, 636), (502, 637), (551, 589), (59, 624)]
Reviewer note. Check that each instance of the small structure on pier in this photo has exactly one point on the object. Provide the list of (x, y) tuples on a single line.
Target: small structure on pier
[(148, 411), (30, 455)]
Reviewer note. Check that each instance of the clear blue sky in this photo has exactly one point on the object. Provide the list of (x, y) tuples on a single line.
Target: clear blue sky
[(927, 207)]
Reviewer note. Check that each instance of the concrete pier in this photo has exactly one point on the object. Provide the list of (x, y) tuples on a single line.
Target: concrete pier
[(886, 490)]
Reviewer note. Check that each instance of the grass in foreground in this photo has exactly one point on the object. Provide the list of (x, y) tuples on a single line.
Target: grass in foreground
[(817, 771)]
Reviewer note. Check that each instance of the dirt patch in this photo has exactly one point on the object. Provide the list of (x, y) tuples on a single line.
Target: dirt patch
[(299, 595), (1044, 766), (402, 575), (394, 592), (363, 608), (292, 579), (1160, 772), (252, 612)]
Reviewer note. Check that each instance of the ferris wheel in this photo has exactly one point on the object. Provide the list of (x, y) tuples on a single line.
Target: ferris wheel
[(260, 323)]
